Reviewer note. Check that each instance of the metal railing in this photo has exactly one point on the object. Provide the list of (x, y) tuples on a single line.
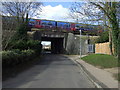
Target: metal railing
[(91, 48)]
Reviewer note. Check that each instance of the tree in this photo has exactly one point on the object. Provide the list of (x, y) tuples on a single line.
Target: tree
[(110, 10), (16, 17), (85, 12), (104, 37), (106, 13), (21, 10)]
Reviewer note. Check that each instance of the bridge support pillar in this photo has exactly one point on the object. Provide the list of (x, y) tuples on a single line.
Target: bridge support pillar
[(73, 44)]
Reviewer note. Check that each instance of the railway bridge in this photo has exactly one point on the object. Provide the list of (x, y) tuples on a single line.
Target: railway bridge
[(62, 41)]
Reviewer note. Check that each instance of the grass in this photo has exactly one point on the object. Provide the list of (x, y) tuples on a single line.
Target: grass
[(101, 60)]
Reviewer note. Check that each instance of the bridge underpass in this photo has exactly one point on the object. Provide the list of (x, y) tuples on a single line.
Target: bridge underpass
[(56, 44), (62, 42)]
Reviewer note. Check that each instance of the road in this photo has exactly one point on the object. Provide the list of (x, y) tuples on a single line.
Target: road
[(53, 71)]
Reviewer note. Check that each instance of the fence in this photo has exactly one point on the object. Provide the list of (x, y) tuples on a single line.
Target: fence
[(91, 48), (102, 48)]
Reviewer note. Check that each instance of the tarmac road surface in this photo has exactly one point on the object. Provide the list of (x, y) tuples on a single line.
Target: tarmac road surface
[(53, 71)]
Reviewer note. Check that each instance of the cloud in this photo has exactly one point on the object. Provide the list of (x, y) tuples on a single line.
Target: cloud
[(58, 13)]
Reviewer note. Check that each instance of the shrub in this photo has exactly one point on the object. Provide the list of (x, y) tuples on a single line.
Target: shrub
[(29, 44), (32, 44), (28, 54), (104, 37), (35, 45), (19, 44), (14, 57)]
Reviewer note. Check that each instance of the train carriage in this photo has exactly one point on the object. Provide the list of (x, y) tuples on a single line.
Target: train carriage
[(72, 26), (57, 25), (38, 24), (32, 23)]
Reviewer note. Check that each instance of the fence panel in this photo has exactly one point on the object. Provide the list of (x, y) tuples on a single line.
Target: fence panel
[(102, 48)]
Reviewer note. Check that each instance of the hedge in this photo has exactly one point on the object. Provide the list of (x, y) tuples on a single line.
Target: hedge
[(23, 45), (14, 57)]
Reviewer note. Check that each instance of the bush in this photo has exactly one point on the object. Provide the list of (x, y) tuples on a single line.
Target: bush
[(28, 54), (19, 44), (104, 37), (14, 57), (30, 44), (35, 45)]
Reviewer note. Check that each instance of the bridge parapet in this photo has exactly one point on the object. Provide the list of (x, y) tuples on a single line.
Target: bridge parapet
[(52, 30), (53, 35)]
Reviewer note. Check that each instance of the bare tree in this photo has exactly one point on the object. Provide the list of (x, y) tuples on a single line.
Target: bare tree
[(85, 12), (16, 15), (21, 10)]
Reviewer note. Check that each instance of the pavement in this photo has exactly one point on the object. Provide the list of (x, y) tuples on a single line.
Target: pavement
[(100, 77), (51, 71)]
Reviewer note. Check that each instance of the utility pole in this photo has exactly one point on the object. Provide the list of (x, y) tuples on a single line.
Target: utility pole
[(80, 45)]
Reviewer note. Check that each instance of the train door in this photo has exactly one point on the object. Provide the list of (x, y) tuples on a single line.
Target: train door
[(77, 26), (72, 27), (31, 23), (38, 24)]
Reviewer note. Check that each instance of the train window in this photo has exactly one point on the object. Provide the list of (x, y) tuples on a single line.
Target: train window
[(72, 25), (31, 23), (49, 23), (66, 25), (37, 22), (43, 23)]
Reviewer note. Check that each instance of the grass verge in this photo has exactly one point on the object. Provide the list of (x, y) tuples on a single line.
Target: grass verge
[(101, 60)]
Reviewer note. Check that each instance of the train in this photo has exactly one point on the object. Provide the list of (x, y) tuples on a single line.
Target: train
[(37, 23), (56, 25)]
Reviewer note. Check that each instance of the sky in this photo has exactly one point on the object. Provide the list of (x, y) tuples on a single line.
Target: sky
[(58, 11), (53, 4), (46, 43)]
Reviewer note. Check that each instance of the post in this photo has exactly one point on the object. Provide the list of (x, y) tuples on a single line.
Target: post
[(80, 45)]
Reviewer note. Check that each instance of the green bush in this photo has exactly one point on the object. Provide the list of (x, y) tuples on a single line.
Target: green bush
[(28, 54), (104, 37), (14, 57), (19, 44), (32, 44), (29, 44), (35, 45)]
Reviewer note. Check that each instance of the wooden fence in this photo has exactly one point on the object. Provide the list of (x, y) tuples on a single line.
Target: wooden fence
[(102, 48)]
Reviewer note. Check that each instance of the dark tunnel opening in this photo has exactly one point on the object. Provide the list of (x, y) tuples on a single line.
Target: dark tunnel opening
[(55, 45)]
